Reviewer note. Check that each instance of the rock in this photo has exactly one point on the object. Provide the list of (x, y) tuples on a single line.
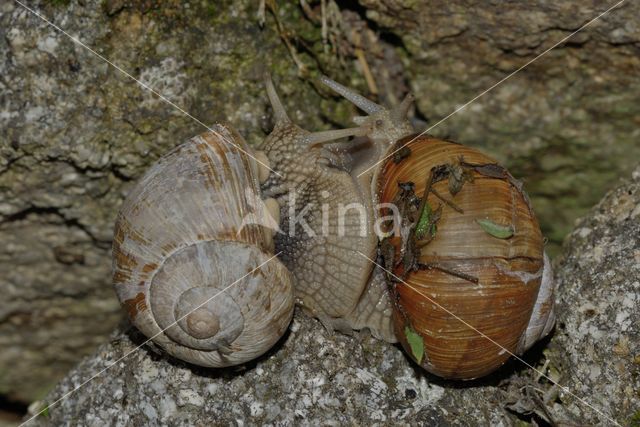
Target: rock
[(316, 377), (597, 342), (312, 377)]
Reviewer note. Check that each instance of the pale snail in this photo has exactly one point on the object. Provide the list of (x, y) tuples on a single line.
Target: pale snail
[(184, 217), (191, 273)]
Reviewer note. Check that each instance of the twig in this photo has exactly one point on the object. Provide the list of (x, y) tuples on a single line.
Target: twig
[(447, 201), (444, 269), (366, 70)]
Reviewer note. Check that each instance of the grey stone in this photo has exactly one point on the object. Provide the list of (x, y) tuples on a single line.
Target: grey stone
[(597, 344)]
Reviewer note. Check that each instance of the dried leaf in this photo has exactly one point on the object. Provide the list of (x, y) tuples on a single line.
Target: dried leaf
[(415, 342), (458, 175), (496, 230), (456, 179), (401, 154), (491, 170), (388, 252)]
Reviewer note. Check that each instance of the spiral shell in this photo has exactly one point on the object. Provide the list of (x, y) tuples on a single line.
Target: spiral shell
[(192, 273), (449, 324)]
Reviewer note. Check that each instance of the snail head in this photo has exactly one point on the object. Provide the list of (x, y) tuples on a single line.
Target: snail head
[(382, 125)]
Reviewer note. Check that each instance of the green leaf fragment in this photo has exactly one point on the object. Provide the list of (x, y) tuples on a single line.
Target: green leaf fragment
[(422, 227), (415, 342), (45, 412), (496, 230)]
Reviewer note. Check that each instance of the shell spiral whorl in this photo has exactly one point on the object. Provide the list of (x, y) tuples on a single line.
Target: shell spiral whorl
[(193, 276)]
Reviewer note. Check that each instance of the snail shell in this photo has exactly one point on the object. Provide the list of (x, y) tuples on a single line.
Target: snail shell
[(192, 274), (464, 326)]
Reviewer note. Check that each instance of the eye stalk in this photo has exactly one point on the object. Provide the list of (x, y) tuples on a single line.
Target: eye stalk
[(383, 126), (308, 138), (360, 101)]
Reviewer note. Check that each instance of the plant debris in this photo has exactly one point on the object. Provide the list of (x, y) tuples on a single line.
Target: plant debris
[(425, 223), (491, 170), (436, 266), (496, 230), (446, 201), (401, 154), (459, 173), (415, 342), (418, 227)]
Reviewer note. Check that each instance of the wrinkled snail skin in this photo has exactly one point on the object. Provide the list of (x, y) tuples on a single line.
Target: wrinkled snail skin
[(382, 127), (190, 273), (374, 309), (329, 275), (512, 303)]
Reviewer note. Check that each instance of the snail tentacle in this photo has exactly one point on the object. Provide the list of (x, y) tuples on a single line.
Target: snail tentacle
[(360, 101), (279, 111)]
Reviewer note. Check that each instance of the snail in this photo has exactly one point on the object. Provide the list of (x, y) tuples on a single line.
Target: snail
[(469, 283), (193, 250)]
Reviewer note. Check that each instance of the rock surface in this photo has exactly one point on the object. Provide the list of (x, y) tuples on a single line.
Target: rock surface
[(597, 347), (317, 377), (77, 133)]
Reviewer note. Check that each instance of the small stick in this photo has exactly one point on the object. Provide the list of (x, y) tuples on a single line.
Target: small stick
[(362, 59), (447, 201), (427, 189), (440, 267), (302, 68)]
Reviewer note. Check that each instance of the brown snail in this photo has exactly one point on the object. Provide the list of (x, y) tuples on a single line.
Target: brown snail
[(468, 279)]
